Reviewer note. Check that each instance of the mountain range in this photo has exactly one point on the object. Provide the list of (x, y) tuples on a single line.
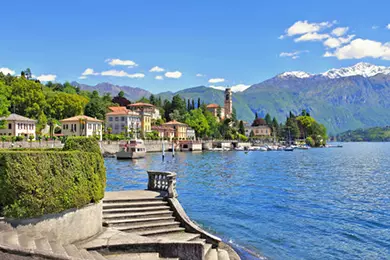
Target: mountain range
[(342, 99)]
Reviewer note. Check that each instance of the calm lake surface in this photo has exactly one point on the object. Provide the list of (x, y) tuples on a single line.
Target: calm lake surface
[(314, 204)]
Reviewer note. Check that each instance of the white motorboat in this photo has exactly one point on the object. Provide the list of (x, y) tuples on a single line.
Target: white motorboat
[(132, 149)]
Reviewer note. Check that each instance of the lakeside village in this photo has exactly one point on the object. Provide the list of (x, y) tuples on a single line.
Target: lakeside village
[(54, 203), (36, 113)]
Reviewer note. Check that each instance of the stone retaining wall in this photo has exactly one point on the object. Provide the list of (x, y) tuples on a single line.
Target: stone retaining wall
[(68, 227)]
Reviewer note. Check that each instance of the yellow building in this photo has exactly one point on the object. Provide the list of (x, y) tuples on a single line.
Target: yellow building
[(145, 110), (179, 128)]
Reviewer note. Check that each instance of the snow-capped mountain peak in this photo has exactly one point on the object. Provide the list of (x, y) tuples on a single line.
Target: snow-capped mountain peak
[(297, 74), (236, 88), (362, 69)]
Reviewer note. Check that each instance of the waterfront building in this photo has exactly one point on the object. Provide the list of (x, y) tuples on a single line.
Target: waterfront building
[(179, 128), (82, 126), (17, 125), (164, 131), (121, 119), (261, 130), (190, 134), (146, 111), (227, 110)]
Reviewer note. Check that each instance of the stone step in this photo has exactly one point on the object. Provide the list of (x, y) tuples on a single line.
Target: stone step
[(27, 242), (207, 248), (178, 236), (161, 231), (86, 255), (42, 244), (97, 256), (10, 238), (73, 251), (155, 214), (134, 204), (223, 255), (133, 256), (130, 209), (212, 254), (149, 226), (120, 222), (57, 248), (122, 200)]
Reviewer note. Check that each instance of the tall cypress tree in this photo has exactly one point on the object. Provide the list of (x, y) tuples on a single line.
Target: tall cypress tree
[(198, 102), (188, 105), (193, 104)]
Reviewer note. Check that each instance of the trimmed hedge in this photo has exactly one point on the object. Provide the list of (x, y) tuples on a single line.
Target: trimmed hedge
[(85, 144), (35, 183)]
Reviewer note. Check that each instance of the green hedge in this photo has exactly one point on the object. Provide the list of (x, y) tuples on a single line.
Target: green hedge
[(85, 144), (34, 183)]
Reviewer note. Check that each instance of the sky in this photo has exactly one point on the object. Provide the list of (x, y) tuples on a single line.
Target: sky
[(172, 45)]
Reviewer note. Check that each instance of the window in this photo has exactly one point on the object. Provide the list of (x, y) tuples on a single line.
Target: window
[(9, 126), (122, 118), (110, 118), (89, 126), (116, 118)]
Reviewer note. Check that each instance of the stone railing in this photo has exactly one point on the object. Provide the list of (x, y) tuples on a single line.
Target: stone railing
[(163, 181)]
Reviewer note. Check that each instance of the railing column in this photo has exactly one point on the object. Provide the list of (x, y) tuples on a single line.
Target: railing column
[(163, 181)]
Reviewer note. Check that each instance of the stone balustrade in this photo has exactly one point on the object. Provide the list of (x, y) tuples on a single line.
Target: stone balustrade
[(163, 181)]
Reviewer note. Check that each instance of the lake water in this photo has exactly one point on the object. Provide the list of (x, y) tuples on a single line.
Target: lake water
[(314, 204)]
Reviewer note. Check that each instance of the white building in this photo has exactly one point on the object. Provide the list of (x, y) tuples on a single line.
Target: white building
[(82, 126), (120, 117), (17, 125), (190, 134)]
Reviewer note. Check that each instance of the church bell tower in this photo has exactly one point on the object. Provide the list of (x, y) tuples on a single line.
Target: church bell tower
[(228, 103)]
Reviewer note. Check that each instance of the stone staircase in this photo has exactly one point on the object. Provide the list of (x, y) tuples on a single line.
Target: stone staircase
[(153, 218), (39, 246)]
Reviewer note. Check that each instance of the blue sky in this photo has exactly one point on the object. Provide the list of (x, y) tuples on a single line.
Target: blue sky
[(238, 42)]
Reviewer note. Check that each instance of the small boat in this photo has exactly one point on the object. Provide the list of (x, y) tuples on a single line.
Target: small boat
[(132, 149), (240, 148), (303, 147), (289, 149)]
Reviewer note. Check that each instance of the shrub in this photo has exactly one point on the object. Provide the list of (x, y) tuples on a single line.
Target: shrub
[(310, 141), (80, 143), (34, 182)]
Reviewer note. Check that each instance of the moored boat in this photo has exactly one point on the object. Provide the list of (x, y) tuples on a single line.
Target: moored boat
[(132, 149)]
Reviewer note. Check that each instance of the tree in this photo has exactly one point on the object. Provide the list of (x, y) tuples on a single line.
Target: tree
[(268, 119), (199, 103), (256, 116), (178, 104), (121, 94), (121, 100), (241, 128), (192, 104), (197, 121), (292, 128), (27, 98), (97, 106), (188, 105)]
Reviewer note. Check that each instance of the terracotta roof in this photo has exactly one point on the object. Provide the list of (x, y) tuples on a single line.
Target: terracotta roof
[(174, 122), (116, 109), (162, 128), (140, 104), (213, 106), (77, 118), (16, 117)]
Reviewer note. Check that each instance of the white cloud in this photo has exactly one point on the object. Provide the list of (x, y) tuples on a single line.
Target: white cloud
[(332, 43), (294, 55), (340, 31), (235, 88), (156, 69), (216, 80), (121, 73), (88, 72), (159, 77), (7, 71), (374, 27), (388, 26), (47, 77), (119, 62), (199, 75), (82, 77), (312, 37), (173, 74), (362, 48), (304, 27)]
